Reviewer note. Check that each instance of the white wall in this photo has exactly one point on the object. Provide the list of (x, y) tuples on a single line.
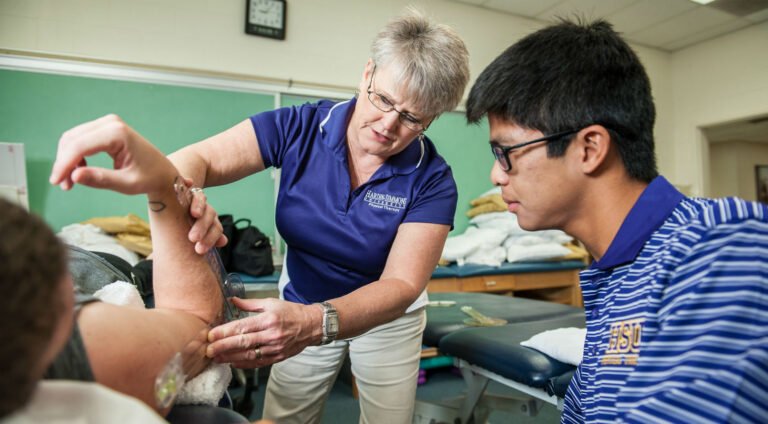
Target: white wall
[(327, 42), (732, 165), (724, 79)]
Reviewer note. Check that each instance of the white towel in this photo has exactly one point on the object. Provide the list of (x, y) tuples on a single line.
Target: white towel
[(537, 252), (120, 293), (564, 344), (207, 387)]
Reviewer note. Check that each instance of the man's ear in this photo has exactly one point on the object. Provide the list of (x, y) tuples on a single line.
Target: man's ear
[(594, 144)]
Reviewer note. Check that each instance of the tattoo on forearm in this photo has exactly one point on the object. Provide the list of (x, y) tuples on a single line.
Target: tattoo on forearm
[(156, 206)]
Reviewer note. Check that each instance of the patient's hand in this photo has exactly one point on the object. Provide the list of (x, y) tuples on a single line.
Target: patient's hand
[(139, 167)]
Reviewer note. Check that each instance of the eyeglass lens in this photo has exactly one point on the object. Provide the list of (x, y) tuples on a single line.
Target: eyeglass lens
[(384, 105), (501, 157)]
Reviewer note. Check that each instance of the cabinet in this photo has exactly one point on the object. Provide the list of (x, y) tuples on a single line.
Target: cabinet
[(556, 281)]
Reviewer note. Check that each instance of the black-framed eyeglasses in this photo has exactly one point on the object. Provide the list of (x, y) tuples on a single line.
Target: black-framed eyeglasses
[(501, 153), (385, 105)]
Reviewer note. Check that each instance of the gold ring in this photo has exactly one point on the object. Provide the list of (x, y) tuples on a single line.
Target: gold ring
[(257, 351)]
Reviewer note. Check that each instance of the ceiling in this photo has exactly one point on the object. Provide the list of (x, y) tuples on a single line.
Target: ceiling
[(668, 25), (753, 129)]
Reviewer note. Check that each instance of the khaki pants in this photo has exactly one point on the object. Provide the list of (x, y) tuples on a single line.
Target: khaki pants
[(385, 363)]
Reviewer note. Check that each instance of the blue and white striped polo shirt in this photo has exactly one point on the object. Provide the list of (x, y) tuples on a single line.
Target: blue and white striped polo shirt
[(677, 315)]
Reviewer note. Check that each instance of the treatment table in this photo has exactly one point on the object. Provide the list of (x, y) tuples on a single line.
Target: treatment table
[(494, 353)]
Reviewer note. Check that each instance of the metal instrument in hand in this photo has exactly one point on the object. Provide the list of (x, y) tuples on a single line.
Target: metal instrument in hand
[(231, 285), (479, 320)]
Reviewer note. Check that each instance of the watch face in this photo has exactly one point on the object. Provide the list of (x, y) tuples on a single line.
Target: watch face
[(333, 326), (268, 13)]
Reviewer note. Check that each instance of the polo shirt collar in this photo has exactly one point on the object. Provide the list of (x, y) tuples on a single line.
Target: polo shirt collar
[(334, 129), (654, 206)]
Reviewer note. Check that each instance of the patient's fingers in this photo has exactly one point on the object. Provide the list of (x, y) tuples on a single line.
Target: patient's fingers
[(106, 134), (103, 178), (67, 183), (65, 158)]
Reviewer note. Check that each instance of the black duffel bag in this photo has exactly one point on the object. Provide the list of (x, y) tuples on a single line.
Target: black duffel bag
[(228, 228), (251, 251)]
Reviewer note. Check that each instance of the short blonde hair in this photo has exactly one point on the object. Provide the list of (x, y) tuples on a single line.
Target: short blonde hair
[(429, 58)]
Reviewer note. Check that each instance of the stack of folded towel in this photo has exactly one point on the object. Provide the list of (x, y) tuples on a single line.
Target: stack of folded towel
[(494, 236)]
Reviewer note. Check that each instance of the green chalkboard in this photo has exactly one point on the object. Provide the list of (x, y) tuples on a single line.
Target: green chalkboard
[(465, 148), (36, 108)]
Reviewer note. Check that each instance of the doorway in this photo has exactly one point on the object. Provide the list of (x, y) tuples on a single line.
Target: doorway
[(737, 159)]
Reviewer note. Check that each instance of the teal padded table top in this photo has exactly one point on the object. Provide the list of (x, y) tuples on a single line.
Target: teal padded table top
[(456, 271)]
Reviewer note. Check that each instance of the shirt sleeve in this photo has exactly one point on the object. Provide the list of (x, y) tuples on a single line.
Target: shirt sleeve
[(274, 131), (72, 362), (436, 200), (708, 361)]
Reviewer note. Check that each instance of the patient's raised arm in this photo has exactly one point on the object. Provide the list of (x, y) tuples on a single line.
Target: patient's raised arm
[(129, 347)]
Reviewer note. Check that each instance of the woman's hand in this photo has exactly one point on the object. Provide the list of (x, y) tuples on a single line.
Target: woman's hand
[(207, 231), (139, 167), (280, 330)]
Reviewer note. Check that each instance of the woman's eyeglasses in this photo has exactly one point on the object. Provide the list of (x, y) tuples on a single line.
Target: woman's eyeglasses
[(385, 105)]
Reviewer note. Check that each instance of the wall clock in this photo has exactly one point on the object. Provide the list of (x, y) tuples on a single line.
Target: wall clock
[(265, 18)]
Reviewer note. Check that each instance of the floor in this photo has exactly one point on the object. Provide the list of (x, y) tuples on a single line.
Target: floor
[(443, 387)]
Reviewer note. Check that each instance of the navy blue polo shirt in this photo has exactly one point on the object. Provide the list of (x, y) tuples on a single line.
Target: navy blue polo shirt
[(677, 315), (339, 239)]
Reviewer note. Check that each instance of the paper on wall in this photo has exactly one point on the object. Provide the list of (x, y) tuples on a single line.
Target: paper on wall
[(13, 174)]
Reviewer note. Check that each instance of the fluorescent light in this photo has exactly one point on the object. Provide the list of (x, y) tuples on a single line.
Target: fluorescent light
[(702, 1)]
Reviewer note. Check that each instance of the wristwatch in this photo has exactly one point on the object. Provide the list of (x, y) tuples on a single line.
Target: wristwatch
[(330, 323)]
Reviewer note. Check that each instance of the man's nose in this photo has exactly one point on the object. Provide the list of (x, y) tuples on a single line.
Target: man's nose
[(498, 176)]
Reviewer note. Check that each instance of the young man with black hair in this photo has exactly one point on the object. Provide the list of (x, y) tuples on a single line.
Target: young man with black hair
[(676, 300)]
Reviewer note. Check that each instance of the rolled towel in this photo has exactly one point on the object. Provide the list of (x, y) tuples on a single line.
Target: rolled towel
[(208, 387)]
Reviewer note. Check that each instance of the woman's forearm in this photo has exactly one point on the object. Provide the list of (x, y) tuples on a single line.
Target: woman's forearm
[(374, 304)]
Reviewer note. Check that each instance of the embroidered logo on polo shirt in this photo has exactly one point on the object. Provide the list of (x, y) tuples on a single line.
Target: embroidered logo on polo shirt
[(624, 343), (385, 201)]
